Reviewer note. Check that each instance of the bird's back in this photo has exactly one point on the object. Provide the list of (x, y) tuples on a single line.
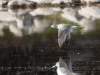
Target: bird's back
[(62, 26)]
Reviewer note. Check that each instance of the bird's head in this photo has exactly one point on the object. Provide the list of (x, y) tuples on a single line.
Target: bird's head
[(56, 65), (54, 26), (75, 27)]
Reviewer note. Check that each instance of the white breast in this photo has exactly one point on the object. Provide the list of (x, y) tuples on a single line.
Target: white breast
[(59, 72)]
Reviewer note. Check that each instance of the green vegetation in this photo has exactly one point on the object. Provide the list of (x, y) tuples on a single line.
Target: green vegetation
[(57, 17), (7, 33), (50, 31)]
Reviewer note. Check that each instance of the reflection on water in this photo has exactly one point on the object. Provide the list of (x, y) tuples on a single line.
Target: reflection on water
[(28, 45)]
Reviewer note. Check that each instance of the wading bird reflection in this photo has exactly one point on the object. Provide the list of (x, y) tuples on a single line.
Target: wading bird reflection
[(62, 68), (64, 32)]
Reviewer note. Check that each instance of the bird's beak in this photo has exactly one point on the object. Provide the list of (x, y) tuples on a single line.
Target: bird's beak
[(81, 27)]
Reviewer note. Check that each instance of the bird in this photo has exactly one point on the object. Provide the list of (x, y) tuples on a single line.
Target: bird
[(89, 1), (3, 2), (42, 1), (64, 32), (62, 68), (18, 2)]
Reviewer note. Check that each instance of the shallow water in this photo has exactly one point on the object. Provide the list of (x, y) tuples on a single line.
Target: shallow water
[(29, 46)]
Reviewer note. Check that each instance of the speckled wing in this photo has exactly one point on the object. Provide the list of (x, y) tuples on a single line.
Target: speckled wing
[(63, 34), (63, 65)]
